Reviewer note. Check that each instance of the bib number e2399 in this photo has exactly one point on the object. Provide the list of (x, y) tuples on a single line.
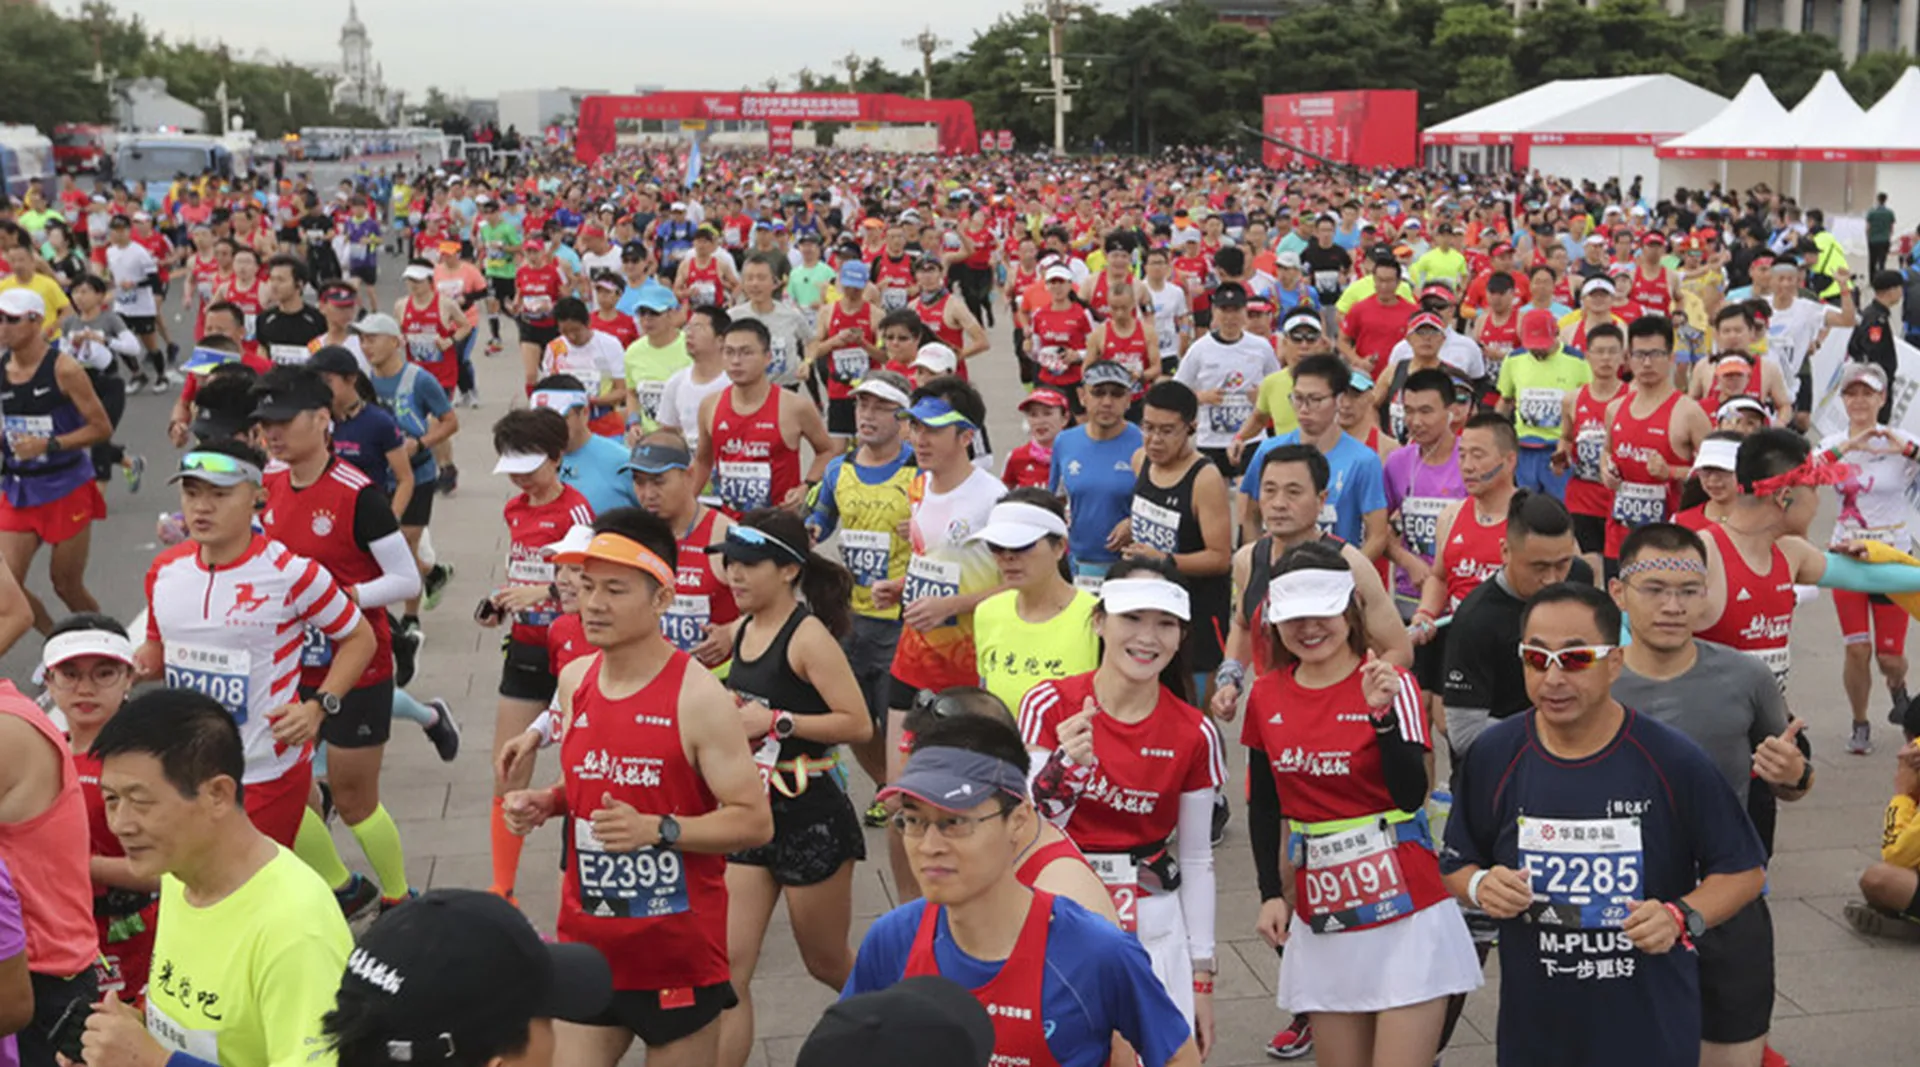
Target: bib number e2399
[(643, 884), (1352, 880), (1586, 873)]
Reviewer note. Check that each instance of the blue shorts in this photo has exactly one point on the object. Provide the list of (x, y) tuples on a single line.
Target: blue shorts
[(1534, 472)]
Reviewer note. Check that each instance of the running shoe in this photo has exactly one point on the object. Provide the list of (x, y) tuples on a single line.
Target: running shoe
[(493, 347), (433, 587), (877, 814), (1898, 716), (445, 731), (1293, 1042), (473, 399), (449, 479), (136, 383), (1861, 743), (136, 470), (406, 655), (1221, 816), (1873, 922), (161, 386), (387, 904), (1771, 1057), (359, 895)]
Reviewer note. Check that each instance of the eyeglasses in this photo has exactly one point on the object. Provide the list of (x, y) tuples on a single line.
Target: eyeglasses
[(1307, 402), (951, 827), (740, 351), (1301, 337), (104, 675), (217, 463), (1648, 353), (1570, 660), (1680, 594), (9, 320)]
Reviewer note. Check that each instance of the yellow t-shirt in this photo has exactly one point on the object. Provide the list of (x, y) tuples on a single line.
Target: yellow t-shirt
[(244, 982), (1275, 399), (1016, 655), (1536, 387), (50, 293)]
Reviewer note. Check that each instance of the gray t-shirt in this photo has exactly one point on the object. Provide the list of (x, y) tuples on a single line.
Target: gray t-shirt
[(1727, 703), (791, 333)]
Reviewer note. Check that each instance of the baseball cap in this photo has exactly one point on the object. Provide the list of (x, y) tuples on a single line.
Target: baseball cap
[(1595, 239), (334, 359), (750, 544), (1048, 397), (1288, 259), (1057, 273), (1426, 320), (1596, 285), (1230, 295), (1867, 373), (1259, 305), (853, 275), (218, 469), (578, 539), (1017, 525), (1106, 372), (339, 294), (1437, 291), (657, 459), (1654, 237), (885, 390), (1717, 455), (1309, 594), (534, 244), (929, 262), (1539, 329), (937, 358), (458, 960), (933, 411), (22, 302), (287, 391), (592, 230), (377, 325), (956, 779), (1501, 249), (1302, 317), (1739, 404), (656, 297)]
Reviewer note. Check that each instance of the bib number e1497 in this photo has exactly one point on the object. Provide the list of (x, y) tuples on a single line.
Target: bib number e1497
[(868, 554), (1586, 873)]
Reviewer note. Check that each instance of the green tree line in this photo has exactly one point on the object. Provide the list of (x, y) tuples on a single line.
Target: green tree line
[(1153, 77), (47, 76)]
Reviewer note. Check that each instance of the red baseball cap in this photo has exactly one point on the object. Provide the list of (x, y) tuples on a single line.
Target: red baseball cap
[(1539, 329), (1654, 237), (1048, 397), (1501, 249), (534, 244)]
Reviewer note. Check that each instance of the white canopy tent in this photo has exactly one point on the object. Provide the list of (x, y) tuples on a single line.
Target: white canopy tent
[(1739, 147), (1821, 177), (1587, 129), (1885, 143)]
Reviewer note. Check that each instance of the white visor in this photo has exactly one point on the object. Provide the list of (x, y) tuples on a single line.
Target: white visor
[(1123, 595), (576, 541), (1309, 594), (519, 462), (76, 643), (1019, 525), (1716, 455), (417, 273), (877, 387)]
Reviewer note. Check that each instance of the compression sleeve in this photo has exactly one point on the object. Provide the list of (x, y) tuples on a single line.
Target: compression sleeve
[(1845, 572), (1197, 885), (399, 576), (1264, 824), (1403, 763)]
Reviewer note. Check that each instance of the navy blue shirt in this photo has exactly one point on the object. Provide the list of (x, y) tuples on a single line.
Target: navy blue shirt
[(1642, 819), (1097, 479), (365, 440)]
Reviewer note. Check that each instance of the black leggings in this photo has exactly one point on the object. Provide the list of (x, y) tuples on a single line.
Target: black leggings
[(976, 288)]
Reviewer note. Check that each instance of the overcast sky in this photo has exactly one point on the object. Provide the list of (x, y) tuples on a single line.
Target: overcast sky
[(481, 47)]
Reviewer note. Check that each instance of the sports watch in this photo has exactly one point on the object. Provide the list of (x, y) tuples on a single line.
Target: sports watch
[(328, 703), (669, 831), (1694, 922), (783, 724)]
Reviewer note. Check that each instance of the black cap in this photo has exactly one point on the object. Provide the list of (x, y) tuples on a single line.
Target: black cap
[(284, 392), (927, 1021), (1888, 279), (334, 359), (1230, 295), (437, 969)]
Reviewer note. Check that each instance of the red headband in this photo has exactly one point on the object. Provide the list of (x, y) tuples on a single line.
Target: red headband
[(1808, 474)]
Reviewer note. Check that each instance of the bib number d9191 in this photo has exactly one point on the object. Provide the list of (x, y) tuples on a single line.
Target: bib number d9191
[(1352, 880)]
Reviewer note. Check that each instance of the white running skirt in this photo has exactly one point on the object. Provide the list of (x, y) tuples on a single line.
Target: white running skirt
[(1426, 955), (1163, 933)]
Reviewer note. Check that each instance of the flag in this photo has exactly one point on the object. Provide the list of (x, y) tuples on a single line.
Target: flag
[(693, 164)]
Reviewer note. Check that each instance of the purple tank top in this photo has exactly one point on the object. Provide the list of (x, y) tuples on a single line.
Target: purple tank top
[(1417, 495)]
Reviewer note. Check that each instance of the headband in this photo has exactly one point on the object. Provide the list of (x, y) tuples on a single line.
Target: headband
[(625, 551), (1806, 474), (1683, 564), (559, 400)]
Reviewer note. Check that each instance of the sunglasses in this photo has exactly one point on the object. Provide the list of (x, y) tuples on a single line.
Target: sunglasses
[(1570, 660)]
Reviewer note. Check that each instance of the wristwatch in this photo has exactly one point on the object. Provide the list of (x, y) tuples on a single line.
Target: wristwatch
[(783, 724), (669, 831), (1806, 777), (1693, 921), (328, 703)]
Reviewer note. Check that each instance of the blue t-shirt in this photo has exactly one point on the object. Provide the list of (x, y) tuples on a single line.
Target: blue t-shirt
[(412, 395), (594, 469), (1097, 479), (1098, 982), (365, 440), (1355, 485), (1566, 987)]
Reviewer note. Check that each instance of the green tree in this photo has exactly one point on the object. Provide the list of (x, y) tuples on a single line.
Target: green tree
[(42, 81)]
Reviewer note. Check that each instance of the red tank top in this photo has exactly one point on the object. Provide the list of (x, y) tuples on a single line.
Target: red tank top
[(1471, 554), (699, 597), (934, 317), (1012, 998), (317, 522), (659, 916), (1041, 858), (1759, 608), (1642, 498), (848, 365), (703, 283), (251, 301), (754, 467), (1068, 329), (1099, 301), (423, 328), (1652, 294), (1498, 340), (1130, 351), (538, 288), (566, 641), (893, 278), (47, 856), (982, 240), (1586, 493)]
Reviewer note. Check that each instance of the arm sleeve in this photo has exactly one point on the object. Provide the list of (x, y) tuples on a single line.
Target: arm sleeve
[(1264, 824), (1401, 732), (373, 515), (826, 511), (1844, 572), (1197, 883), (399, 576)]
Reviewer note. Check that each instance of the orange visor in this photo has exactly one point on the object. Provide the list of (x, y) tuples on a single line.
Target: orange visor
[(613, 548)]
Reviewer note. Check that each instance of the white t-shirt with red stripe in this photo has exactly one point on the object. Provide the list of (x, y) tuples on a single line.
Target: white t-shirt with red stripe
[(234, 633)]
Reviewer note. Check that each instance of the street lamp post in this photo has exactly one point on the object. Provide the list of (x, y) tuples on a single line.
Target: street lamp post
[(928, 43)]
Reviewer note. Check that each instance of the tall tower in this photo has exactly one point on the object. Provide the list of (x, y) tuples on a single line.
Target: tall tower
[(356, 57)]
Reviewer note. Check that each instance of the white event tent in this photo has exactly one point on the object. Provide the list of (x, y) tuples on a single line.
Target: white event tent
[(1739, 147), (1587, 129), (1884, 146), (1822, 177)]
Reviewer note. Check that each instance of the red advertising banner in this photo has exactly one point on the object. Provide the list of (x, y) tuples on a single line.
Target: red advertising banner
[(1364, 128), (780, 138), (1006, 140), (594, 133)]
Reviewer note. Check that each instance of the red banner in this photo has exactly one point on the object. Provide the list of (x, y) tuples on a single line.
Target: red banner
[(594, 134), (1006, 140), (1364, 128), (780, 138)]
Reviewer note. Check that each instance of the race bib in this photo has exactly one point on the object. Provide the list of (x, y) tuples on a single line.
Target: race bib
[(1121, 876), (534, 307), (534, 572), (200, 1044), (851, 364), (1420, 524), (1637, 504), (248, 322), (1328, 520), (1154, 526), (1352, 880), (780, 352), (931, 578), (315, 649), (1090, 582), (650, 394), (1327, 281), (867, 554), (685, 623), (1397, 418), (292, 355), (643, 884), (1230, 413), (1778, 660), (701, 294), (20, 427), (424, 347), (1589, 448), (893, 299), (745, 486), (220, 673), (1586, 873), (1540, 408), (128, 298)]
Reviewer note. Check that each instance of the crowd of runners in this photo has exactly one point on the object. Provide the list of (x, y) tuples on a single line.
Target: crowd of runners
[(1379, 467)]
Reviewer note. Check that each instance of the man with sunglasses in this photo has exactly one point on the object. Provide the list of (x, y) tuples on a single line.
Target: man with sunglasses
[(1058, 981), (1728, 704)]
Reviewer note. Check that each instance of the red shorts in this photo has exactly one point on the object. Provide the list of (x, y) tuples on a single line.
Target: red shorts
[(57, 520), (277, 806), (1889, 621)]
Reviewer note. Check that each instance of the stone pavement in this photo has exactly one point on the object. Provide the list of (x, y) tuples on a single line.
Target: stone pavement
[(1843, 999)]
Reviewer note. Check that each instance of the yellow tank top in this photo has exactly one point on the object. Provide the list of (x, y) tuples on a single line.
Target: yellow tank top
[(1016, 655), (870, 518)]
